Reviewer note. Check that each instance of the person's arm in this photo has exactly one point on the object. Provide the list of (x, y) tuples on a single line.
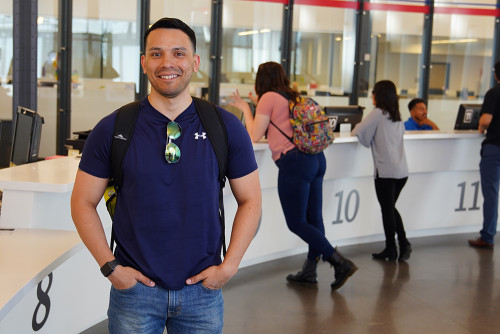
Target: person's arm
[(365, 130), (248, 195), (431, 124), (257, 126), (87, 193), (484, 122)]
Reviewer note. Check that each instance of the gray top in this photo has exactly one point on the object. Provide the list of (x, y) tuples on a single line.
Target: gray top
[(385, 138)]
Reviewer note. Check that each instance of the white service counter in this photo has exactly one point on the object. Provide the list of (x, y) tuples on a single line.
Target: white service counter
[(442, 196), (49, 282)]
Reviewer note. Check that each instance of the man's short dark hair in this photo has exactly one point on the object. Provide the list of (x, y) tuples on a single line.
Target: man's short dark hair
[(497, 70), (172, 23), (415, 102)]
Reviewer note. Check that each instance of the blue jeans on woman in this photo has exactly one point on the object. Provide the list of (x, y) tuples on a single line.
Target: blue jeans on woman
[(148, 310), (489, 168), (300, 189)]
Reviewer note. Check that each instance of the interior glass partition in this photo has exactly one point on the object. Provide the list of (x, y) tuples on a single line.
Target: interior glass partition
[(461, 56), (395, 49), (105, 59), (47, 73), (323, 49), (251, 36), (6, 46), (6, 53)]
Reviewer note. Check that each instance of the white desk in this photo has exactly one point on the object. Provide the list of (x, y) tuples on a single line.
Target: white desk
[(27, 256), (37, 195), (36, 204)]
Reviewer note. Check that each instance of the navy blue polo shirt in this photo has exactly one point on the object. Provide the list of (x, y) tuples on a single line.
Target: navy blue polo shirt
[(166, 220)]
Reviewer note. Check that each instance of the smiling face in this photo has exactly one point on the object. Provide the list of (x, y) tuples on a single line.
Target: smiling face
[(169, 62)]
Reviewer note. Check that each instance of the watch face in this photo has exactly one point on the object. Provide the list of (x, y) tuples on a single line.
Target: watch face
[(109, 267)]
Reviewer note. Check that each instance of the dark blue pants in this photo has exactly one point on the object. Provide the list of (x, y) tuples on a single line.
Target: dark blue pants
[(300, 188), (489, 168), (388, 191)]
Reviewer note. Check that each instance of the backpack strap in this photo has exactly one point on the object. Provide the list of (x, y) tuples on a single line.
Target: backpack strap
[(211, 119), (122, 135), (284, 134), (285, 95)]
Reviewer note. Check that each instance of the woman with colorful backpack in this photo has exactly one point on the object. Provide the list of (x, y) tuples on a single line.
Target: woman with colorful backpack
[(300, 176)]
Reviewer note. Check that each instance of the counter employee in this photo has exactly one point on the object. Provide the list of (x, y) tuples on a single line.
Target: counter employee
[(418, 116)]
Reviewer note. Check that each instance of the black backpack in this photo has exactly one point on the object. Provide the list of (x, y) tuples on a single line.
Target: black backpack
[(122, 134)]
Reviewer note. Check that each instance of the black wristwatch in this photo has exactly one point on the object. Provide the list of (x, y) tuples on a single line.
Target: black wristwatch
[(109, 267)]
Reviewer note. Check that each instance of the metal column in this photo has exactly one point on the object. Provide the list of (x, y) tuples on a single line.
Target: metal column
[(144, 7), (361, 73), (286, 37), (425, 66), (215, 51), (64, 33), (24, 74)]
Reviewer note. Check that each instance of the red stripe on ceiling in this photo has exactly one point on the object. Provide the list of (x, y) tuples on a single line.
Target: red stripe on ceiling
[(397, 8), (329, 3)]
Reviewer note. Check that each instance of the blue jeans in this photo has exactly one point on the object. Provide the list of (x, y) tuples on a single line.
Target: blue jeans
[(489, 168), (300, 188), (142, 309)]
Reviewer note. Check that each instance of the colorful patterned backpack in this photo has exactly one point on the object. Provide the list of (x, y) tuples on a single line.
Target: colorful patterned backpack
[(312, 131)]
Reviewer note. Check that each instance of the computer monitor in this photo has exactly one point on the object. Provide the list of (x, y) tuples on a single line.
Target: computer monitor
[(27, 134), (468, 117), (344, 115)]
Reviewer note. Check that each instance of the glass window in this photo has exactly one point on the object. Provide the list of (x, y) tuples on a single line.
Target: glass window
[(6, 53), (105, 59), (323, 51), (395, 52), (461, 60), (251, 36), (48, 45), (105, 40)]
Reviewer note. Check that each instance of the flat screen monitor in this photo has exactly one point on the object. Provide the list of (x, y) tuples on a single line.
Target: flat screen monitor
[(26, 138), (344, 115), (468, 117)]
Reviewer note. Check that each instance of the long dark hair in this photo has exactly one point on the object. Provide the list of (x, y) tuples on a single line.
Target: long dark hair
[(271, 77), (386, 98)]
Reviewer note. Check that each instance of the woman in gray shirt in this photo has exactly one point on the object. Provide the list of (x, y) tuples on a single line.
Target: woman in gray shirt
[(383, 131)]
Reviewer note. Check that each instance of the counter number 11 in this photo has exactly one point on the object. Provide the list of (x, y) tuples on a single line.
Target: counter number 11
[(462, 187)]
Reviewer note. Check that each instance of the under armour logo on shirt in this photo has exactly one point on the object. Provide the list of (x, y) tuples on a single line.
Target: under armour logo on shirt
[(203, 135)]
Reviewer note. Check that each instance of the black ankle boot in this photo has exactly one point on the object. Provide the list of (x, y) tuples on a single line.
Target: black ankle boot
[(307, 276), (404, 251), (390, 254), (344, 269)]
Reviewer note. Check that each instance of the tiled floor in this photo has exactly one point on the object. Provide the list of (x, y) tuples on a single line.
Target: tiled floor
[(446, 287)]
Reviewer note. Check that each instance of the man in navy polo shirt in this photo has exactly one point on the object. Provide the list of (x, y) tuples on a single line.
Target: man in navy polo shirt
[(167, 269), (418, 116)]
